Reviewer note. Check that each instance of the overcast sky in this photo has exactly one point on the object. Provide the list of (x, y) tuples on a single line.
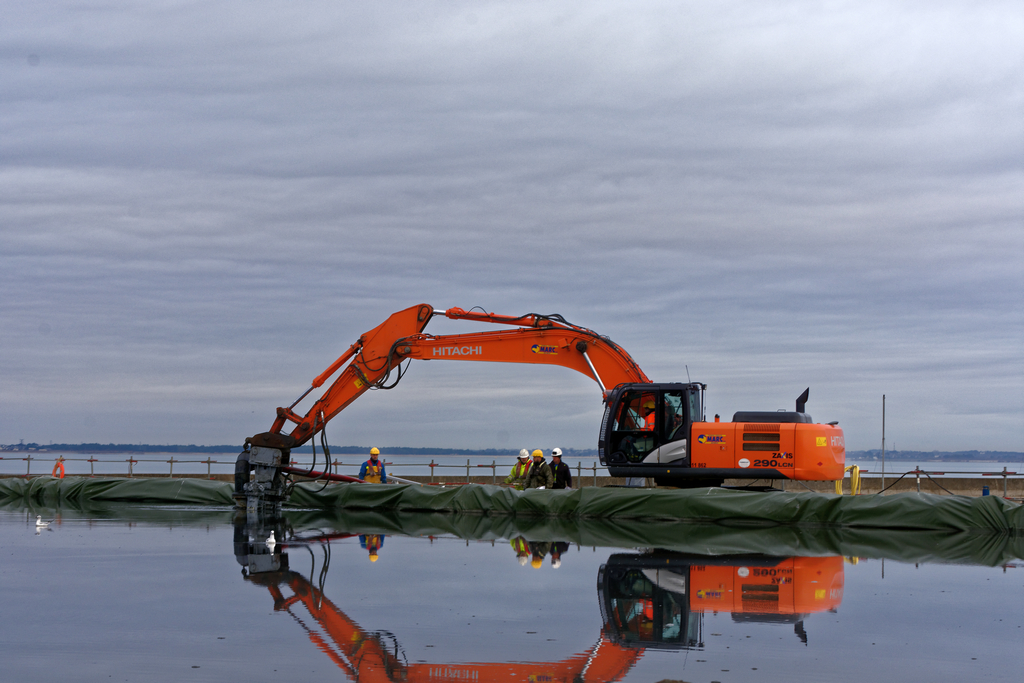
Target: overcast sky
[(202, 204)]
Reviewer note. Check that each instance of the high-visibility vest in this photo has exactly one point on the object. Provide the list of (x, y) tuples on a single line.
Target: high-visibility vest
[(373, 472)]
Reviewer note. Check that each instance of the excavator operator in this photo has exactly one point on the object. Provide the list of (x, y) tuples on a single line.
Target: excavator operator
[(649, 414), (372, 471)]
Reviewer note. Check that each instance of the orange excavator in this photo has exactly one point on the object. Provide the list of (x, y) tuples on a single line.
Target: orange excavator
[(648, 430)]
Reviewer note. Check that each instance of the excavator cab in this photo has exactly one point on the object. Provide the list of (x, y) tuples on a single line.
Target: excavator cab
[(649, 423), (647, 606)]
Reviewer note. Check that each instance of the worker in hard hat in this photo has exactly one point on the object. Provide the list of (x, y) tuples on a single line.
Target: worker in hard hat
[(371, 543), (522, 549), (538, 549), (372, 471), (561, 471), (540, 476), (649, 414), (557, 548), (517, 477)]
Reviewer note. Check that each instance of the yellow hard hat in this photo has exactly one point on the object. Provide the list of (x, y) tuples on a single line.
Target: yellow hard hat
[(538, 453), (537, 562), (374, 557), (374, 451), (649, 405)]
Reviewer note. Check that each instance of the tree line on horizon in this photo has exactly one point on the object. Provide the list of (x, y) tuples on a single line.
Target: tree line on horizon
[(230, 448)]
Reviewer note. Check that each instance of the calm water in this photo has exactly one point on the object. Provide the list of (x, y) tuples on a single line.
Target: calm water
[(187, 595)]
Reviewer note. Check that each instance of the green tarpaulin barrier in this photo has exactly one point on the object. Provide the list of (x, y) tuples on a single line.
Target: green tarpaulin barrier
[(904, 527), (907, 511)]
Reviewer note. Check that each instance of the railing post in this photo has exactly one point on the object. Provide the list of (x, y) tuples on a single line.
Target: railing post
[(209, 460), (1004, 481), (171, 475), (917, 471), (494, 472), (92, 471), (431, 470), (467, 470), (28, 467), (131, 461), (595, 474), (579, 470)]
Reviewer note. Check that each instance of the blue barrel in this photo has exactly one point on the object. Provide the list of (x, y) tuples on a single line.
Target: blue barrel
[(984, 490)]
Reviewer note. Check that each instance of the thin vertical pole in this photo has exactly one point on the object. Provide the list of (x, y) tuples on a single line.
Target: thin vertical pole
[(883, 442)]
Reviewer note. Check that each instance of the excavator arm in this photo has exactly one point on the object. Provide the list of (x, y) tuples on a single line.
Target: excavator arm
[(376, 358)]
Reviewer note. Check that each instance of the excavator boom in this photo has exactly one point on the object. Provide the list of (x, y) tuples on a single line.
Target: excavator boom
[(377, 354)]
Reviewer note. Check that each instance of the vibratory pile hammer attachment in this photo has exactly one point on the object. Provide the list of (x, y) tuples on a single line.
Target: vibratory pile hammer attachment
[(261, 485)]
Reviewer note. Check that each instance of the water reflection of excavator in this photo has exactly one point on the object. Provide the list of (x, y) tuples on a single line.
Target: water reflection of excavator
[(369, 657), (651, 600), (658, 599)]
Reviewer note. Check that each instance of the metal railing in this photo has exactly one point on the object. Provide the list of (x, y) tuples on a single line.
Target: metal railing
[(593, 470), (917, 473), (131, 461)]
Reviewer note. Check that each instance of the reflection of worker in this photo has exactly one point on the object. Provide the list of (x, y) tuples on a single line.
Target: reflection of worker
[(372, 470), (649, 413), (540, 473), (557, 548), (522, 549), (371, 543), (561, 471), (539, 550), (517, 477)]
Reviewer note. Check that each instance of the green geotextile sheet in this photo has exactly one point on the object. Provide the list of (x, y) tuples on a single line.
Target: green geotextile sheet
[(906, 511), (990, 548)]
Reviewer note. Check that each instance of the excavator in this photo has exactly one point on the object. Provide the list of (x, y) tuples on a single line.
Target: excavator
[(649, 429), (650, 600)]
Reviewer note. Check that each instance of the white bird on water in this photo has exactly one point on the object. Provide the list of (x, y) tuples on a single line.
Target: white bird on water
[(40, 524), (271, 542)]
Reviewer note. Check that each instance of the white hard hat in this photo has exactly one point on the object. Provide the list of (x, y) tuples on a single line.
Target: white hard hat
[(523, 560), (556, 452), (524, 454), (555, 563)]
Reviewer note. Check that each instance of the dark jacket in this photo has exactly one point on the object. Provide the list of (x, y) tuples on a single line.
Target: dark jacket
[(563, 476), (540, 475)]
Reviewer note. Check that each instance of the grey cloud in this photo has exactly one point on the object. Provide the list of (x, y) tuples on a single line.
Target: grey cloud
[(206, 204)]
